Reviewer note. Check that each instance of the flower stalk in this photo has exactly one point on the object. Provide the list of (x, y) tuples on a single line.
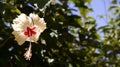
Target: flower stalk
[(28, 53)]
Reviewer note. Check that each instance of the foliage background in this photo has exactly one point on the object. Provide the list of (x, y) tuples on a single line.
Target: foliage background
[(69, 40)]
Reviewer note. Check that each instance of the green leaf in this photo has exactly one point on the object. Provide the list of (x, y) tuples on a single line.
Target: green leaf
[(17, 58), (83, 11)]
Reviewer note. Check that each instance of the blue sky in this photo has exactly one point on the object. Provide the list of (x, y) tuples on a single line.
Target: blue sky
[(100, 7)]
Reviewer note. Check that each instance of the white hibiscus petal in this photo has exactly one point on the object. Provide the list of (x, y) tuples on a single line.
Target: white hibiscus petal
[(16, 27), (42, 28), (22, 17), (19, 37), (34, 17)]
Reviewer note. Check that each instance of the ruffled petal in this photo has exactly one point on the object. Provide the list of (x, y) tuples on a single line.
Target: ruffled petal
[(40, 26), (19, 26), (34, 17), (38, 21), (19, 37), (21, 22)]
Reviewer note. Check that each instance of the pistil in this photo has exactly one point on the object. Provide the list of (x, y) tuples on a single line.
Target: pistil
[(30, 31)]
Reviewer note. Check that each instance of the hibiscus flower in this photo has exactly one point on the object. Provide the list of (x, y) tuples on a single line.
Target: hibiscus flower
[(28, 28)]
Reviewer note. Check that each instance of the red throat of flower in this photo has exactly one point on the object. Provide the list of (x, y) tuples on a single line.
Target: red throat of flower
[(30, 31)]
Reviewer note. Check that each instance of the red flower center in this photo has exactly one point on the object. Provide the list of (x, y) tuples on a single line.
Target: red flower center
[(30, 31)]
